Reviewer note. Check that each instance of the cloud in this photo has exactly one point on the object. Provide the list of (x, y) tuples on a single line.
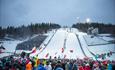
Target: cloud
[(64, 12)]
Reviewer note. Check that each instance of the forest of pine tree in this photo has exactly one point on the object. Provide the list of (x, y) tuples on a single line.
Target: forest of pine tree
[(24, 31), (40, 28), (103, 28)]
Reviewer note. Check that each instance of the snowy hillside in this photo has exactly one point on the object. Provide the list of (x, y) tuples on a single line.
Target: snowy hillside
[(73, 45), (9, 47), (67, 43)]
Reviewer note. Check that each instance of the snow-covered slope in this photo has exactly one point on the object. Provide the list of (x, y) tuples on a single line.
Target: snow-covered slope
[(71, 40), (68, 39), (73, 44), (55, 45), (9, 47), (54, 48), (83, 43)]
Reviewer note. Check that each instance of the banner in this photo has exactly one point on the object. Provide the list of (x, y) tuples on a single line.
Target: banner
[(62, 50), (104, 55), (47, 55), (33, 50), (40, 48)]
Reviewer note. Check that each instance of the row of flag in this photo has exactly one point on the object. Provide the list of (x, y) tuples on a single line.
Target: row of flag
[(34, 49), (104, 55), (1, 49), (47, 54), (62, 50)]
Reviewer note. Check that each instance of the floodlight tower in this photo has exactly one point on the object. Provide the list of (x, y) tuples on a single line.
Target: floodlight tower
[(89, 29), (88, 20)]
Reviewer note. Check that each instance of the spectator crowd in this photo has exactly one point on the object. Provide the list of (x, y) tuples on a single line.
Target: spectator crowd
[(24, 62)]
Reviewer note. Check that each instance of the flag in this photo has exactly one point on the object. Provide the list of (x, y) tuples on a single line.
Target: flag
[(40, 48), (86, 58), (0, 51), (47, 55), (1, 47), (55, 53), (96, 63), (105, 62), (110, 52), (33, 50), (64, 56), (100, 56), (62, 50)]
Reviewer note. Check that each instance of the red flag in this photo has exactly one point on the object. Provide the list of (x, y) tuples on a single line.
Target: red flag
[(33, 50), (86, 58), (96, 63), (62, 50), (105, 62), (47, 55)]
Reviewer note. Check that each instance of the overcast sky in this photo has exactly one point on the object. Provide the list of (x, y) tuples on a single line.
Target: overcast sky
[(63, 12)]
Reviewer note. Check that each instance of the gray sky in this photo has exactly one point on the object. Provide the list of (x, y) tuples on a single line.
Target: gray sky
[(63, 12)]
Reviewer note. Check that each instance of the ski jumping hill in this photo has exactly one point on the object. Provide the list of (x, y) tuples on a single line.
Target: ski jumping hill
[(69, 43)]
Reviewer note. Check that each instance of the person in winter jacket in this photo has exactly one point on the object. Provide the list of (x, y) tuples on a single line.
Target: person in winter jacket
[(96, 67), (67, 66), (70, 65), (48, 66), (58, 66), (29, 66), (36, 62), (109, 66), (87, 67), (44, 62), (41, 67), (80, 67), (23, 64), (75, 66)]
